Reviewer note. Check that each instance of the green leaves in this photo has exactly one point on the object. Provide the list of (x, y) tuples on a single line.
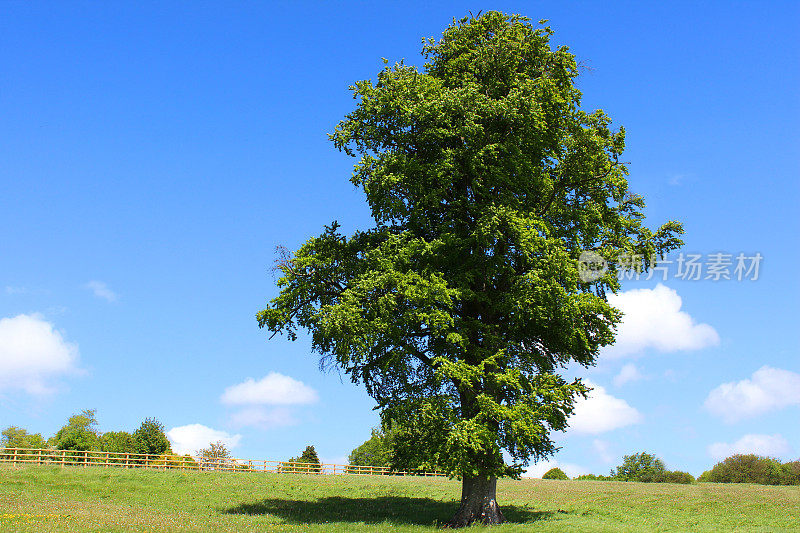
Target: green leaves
[(486, 181)]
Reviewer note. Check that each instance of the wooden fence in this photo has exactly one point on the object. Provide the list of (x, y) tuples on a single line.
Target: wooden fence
[(187, 462)]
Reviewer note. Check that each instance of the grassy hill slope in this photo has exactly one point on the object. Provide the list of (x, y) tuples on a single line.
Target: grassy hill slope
[(38, 498)]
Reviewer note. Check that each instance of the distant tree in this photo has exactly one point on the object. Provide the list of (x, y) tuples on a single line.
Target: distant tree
[(309, 456), (794, 467), (555, 473), (307, 463), (460, 306), (150, 438), (17, 437), (216, 455), (80, 433), (374, 452), (642, 467), (648, 468)]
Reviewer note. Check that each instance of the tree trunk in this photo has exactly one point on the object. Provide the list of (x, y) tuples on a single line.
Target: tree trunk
[(478, 503)]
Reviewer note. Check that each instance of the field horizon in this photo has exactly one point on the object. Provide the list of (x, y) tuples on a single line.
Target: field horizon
[(36, 498)]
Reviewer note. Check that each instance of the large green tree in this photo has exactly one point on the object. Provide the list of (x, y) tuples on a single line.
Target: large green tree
[(456, 311)]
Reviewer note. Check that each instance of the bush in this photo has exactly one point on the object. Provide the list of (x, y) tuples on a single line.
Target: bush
[(117, 442), (643, 467), (592, 477), (752, 468), (555, 473), (675, 476), (175, 461)]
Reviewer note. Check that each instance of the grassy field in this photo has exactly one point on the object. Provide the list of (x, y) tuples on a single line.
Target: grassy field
[(41, 498)]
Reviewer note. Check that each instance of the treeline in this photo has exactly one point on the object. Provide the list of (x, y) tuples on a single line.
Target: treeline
[(81, 433), (740, 468)]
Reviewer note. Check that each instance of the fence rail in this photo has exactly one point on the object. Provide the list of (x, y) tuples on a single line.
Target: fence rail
[(42, 456)]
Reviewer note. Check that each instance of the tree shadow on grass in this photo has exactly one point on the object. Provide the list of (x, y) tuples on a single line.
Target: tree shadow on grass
[(394, 509)]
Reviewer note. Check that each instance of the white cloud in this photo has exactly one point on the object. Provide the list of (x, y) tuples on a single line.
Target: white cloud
[(603, 450), (537, 470), (768, 389), (32, 352), (601, 412), (653, 319), (15, 290), (101, 290), (273, 389), (627, 373), (768, 445), (676, 179), (263, 418), (193, 437)]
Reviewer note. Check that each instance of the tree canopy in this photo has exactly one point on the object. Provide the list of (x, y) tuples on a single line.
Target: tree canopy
[(458, 308)]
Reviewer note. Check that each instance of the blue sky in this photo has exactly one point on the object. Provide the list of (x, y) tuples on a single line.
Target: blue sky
[(152, 156)]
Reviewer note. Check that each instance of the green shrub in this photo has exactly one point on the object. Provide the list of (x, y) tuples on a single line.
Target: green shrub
[(555, 473), (750, 468), (175, 461), (117, 442), (675, 476), (593, 477)]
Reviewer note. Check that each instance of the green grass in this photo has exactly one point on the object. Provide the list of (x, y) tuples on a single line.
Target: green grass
[(42, 498)]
